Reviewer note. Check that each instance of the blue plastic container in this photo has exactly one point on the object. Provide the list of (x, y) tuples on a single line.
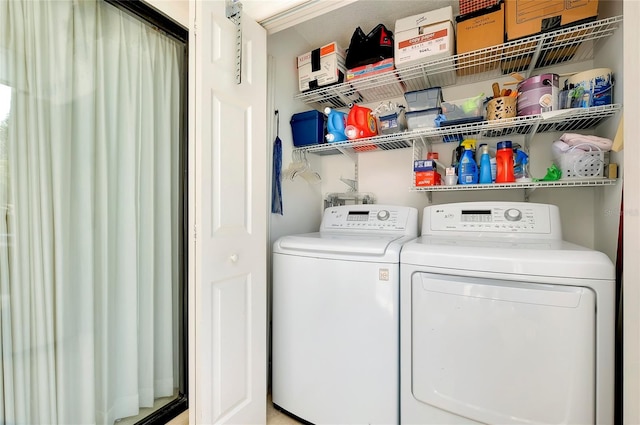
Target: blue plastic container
[(308, 128)]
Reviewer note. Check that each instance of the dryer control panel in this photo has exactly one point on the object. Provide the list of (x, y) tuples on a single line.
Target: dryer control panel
[(371, 217), (494, 218)]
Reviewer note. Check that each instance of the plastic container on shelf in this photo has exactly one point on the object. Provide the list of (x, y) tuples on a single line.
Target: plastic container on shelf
[(463, 110), (419, 100), (422, 119), (308, 128)]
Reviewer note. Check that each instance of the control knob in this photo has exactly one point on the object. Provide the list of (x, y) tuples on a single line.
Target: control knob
[(383, 215), (513, 214)]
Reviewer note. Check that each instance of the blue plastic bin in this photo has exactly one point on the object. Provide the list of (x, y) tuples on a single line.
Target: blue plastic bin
[(308, 128)]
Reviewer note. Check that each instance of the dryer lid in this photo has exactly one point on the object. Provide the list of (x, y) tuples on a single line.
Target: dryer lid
[(525, 257)]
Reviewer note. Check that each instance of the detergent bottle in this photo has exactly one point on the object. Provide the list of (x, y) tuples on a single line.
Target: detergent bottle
[(504, 160), (336, 123), (521, 167), (360, 123), (467, 168), (485, 166)]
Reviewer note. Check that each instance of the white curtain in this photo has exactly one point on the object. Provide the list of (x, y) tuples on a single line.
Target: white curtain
[(90, 212)]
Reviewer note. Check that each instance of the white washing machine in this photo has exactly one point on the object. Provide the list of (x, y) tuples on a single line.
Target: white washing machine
[(502, 322), (335, 316)]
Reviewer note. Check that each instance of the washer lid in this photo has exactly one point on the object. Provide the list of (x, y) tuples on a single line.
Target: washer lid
[(533, 257), (337, 243)]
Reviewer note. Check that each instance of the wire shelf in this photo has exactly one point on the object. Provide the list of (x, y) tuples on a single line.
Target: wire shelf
[(562, 120), (569, 45), (523, 185)]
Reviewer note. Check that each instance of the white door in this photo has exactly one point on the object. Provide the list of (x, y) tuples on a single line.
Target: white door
[(228, 220)]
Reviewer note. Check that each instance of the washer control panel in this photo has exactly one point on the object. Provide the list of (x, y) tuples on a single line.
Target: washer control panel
[(369, 217), (493, 218)]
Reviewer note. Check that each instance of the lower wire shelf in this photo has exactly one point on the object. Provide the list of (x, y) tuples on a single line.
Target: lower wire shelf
[(528, 187), (519, 185)]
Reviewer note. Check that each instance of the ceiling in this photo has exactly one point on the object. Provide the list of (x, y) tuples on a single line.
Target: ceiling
[(310, 18)]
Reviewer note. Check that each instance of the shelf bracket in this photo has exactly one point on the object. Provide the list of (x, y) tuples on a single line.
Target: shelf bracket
[(527, 193), (233, 10), (352, 156)]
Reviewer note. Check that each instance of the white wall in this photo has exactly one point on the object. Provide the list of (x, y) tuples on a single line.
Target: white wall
[(178, 10)]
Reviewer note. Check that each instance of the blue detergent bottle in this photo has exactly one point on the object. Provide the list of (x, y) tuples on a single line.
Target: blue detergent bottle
[(336, 122), (467, 168), (485, 166)]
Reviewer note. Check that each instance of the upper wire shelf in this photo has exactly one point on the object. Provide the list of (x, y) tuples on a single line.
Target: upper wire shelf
[(569, 45), (562, 121)]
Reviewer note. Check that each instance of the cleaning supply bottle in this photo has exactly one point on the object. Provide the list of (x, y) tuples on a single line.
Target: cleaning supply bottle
[(467, 168), (360, 123), (521, 167), (485, 166), (336, 123), (504, 163)]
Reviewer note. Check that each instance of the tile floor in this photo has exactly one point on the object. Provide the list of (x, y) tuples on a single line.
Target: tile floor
[(274, 417)]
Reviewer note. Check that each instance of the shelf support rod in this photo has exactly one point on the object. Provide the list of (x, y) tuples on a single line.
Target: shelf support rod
[(534, 58), (352, 156), (528, 192)]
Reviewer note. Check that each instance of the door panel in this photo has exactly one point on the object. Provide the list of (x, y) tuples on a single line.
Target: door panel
[(229, 220), (504, 352)]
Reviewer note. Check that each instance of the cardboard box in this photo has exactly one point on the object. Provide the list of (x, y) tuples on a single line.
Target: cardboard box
[(321, 67), (424, 165), (427, 178), (429, 35), (471, 6), (479, 31), (529, 17)]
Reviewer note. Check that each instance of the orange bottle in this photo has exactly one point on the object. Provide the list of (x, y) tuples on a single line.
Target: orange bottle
[(360, 123), (504, 163)]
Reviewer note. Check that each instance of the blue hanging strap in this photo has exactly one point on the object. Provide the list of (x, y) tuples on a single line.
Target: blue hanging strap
[(276, 183)]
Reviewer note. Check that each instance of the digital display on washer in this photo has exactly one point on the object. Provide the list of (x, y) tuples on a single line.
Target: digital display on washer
[(476, 215), (358, 216)]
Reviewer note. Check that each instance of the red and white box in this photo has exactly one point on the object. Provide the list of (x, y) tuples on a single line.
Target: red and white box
[(429, 35)]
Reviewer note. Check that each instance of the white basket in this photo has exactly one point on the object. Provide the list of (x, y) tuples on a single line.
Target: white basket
[(577, 163)]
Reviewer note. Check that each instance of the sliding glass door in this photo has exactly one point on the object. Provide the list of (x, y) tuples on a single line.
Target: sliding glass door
[(91, 213)]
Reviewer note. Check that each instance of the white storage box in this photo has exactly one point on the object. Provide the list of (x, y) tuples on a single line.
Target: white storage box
[(429, 36), (321, 67)]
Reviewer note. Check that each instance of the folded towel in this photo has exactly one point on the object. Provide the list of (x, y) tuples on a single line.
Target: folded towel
[(586, 141)]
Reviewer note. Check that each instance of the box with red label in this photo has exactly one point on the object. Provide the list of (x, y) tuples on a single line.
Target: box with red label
[(426, 36), (427, 178), (321, 67)]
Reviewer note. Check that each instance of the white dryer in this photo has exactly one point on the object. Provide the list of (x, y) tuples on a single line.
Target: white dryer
[(335, 316), (502, 322)]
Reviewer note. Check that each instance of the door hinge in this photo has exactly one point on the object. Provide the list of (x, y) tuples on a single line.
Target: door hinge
[(234, 14)]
